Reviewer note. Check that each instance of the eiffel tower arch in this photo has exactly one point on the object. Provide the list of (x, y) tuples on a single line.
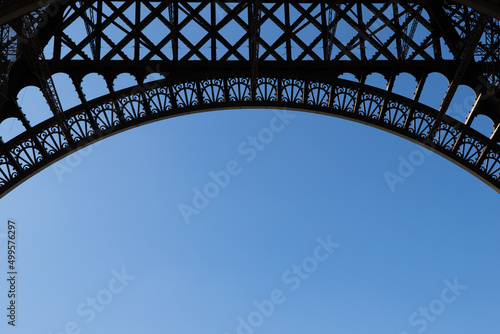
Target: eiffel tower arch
[(314, 56)]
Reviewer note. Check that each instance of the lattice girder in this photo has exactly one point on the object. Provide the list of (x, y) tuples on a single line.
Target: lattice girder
[(242, 49)]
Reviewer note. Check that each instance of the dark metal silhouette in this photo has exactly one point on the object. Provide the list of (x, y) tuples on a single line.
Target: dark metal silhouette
[(227, 54)]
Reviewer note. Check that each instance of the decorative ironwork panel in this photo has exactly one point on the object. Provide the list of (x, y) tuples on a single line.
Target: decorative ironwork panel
[(446, 136), (186, 94), (105, 116), (225, 54), (7, 171), (344, 99), (80, 127), (267, 89), (370, 105), (26, 154), (159, 100), (292, 90), (470, 149), (491, 165), (239, 89), (396, 114), (132, 107), (52, 139), (212, 91), (421, 124), (319, 94)]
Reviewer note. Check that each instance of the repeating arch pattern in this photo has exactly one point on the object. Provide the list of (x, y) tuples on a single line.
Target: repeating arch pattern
[(231, 54), (26, 154)]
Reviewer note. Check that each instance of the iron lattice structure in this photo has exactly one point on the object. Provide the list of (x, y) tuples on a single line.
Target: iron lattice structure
[(248, 54)]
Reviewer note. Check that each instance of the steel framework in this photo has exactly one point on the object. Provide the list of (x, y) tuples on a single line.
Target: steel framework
[(247, 54)]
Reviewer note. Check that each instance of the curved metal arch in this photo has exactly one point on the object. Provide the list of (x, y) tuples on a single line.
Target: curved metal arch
[(291, 72), (85, 124)]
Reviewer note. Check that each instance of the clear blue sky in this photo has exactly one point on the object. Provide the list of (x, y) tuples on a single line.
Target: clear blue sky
[(319, 177), (303, 233)]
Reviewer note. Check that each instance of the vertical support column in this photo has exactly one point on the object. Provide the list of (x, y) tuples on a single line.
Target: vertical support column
[(118, 108), (362, 45), (324, 27), (213, 24), (27, 126), (98, 25), (137, 46), (416, 97), (331, 30), (362, 80), (390, 86), (89, 18), (81, 96), (287, 24), (395, 13), (173, 9), (254, 25)]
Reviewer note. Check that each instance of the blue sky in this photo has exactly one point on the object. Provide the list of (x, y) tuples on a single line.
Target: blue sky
[(321, 177), (299, 233)]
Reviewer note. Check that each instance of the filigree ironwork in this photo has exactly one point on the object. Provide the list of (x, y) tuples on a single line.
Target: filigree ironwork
[(267, 89), (211, 58), (421, 124), (344, 99), (470, 149), (370, 105), (319, 94), (396, 114)]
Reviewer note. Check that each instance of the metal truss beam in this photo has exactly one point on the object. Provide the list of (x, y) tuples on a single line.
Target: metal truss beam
[(256, 53)]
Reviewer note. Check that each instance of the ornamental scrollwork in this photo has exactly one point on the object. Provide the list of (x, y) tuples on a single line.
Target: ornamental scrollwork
[(52, 139), (344, 99), (420, 124), (7, 171), (491, 165), (370, 105), (267, 89), (159, 100), (470, 149), (396, 114), (105, 116), (446, 136), (185, 94), (132, 107), (26, 154), (319, 94), (292, 90), (239, 89), (80, 127), (29, 152), (212, 91)]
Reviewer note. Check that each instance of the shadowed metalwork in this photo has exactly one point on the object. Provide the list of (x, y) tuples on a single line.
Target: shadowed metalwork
[(249, 54)]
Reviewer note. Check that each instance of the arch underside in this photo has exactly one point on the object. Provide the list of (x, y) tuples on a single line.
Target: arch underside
[(249, 54), (48, 142)]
